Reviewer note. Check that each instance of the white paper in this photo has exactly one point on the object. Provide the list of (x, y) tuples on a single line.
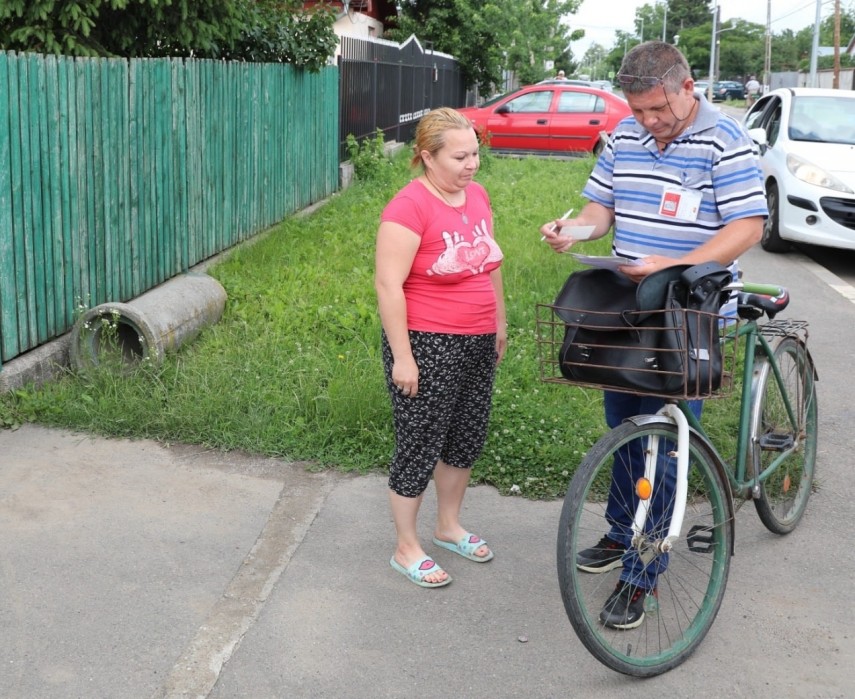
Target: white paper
[(577, 232), (608, 262)]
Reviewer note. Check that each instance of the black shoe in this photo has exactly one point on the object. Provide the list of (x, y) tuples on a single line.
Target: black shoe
[(602, 558), (624, 609)]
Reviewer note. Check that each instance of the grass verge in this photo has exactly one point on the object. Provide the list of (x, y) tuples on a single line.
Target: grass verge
[(293, 369)]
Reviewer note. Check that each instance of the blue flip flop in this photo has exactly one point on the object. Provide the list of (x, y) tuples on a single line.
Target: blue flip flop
[(466, 547), (417, 572)]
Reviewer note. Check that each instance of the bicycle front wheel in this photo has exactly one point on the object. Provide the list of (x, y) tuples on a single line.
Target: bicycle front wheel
[(783, 495), (690, 580)]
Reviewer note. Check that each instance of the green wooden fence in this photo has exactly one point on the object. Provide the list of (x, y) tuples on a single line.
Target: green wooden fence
[(116, 175)]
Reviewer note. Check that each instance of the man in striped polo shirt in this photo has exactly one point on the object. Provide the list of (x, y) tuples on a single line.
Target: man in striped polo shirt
[(681, 184)]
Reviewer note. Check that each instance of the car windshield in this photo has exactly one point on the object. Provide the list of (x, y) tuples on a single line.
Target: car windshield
[(823, 119)]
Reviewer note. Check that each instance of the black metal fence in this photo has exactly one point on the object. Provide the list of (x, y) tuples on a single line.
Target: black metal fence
[(389, 86)]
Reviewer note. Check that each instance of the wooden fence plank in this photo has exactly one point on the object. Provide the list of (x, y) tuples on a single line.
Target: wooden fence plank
[(179, 163), (135, 210), (31, 188), (8, 301), (64, 245)]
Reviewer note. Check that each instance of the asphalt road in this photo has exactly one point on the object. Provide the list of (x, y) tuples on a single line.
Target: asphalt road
[(836, 261)]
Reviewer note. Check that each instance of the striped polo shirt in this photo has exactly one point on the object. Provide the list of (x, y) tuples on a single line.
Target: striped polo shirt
[(713, 156)]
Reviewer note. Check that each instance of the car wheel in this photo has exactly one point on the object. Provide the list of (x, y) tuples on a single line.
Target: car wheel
[(771, 240)]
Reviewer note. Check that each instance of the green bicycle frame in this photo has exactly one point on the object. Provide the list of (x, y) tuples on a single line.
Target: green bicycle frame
[(749, 331)]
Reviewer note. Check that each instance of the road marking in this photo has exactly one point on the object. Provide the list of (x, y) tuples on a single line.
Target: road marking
[(847, 291)]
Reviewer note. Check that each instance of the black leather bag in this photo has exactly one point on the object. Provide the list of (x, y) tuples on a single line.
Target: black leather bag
[(658, 337), (690, 342)]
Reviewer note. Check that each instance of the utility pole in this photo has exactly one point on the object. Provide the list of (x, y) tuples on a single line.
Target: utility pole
[(767, 60), (815, 50), (664, 19), (713, 50), (836, 83)]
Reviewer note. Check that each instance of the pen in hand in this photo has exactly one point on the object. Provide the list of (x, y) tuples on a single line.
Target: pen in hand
[(569, 211)]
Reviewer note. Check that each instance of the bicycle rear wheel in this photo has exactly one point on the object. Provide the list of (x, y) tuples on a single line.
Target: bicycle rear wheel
[(783, 496), (689, 591)]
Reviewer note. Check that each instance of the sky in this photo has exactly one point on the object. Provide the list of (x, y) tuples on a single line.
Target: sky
[(601, 18)]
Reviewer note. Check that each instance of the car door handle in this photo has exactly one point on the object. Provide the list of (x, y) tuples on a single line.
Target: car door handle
[(542, 121), (594, 121)]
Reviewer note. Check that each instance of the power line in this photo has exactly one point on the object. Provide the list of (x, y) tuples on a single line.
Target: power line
[(799, 9)]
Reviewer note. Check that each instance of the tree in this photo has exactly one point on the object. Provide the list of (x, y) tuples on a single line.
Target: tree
[(686, 13), (283, 32), (680, 17), (742, 45), (119, 27), (487, 36), (804, 40), (741, 51), (594, 62), (461, 28), (256, 30)]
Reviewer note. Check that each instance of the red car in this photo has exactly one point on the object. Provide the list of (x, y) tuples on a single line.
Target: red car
[(548, 119)]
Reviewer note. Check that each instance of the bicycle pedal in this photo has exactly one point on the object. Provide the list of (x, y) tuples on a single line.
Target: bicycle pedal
[(776, 442), (700, 539)]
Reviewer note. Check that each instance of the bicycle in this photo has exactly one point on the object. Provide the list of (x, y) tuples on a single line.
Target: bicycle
[(684, 532)]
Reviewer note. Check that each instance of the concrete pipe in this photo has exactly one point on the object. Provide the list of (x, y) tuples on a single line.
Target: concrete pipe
[(160, 320)]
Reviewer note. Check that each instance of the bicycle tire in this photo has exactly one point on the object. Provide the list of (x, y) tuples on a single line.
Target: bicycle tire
[(690, 591), (782, 498)]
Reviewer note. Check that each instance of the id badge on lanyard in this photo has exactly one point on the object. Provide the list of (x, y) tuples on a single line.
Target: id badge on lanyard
[(680, 203)]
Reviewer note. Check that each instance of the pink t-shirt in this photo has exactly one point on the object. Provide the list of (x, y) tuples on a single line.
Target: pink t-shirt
[(449, 288)]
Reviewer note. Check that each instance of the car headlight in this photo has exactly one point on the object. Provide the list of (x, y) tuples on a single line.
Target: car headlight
[(806, 171)]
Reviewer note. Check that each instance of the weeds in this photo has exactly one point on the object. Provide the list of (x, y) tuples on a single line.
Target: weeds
[(369, 158)]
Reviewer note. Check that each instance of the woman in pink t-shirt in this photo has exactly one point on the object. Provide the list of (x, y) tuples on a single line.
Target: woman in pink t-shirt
[(439, 291)]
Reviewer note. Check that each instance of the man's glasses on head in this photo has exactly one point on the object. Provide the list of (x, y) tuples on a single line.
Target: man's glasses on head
[(646, 80)]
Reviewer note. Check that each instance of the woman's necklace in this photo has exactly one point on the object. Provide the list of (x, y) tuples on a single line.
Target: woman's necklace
[(461, 211)]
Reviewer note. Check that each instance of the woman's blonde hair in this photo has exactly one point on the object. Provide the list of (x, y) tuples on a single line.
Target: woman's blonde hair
[(430, 133)]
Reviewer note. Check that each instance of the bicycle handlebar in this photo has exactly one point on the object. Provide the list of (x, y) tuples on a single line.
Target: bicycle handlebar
[(764, 289)]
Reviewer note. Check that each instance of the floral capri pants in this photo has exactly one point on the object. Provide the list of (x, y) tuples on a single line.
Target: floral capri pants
[(448, 417)]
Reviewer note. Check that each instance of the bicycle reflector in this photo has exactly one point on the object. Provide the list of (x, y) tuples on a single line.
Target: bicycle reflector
[(643, 489)]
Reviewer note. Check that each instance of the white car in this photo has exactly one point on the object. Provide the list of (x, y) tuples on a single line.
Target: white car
[(701, 87), (806, 138)]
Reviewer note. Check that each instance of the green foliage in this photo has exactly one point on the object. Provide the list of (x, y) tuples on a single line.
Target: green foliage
[(179, 28), (487, 36), (253, 30), (9, 414), (742, 45), (369, 158), (51, 26), (827, 62), (461, 28), (271, 34), (651, 18), (533, 33), (485, 153)]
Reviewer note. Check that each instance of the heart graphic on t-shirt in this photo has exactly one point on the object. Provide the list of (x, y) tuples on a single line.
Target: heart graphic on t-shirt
[(473, 256)]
